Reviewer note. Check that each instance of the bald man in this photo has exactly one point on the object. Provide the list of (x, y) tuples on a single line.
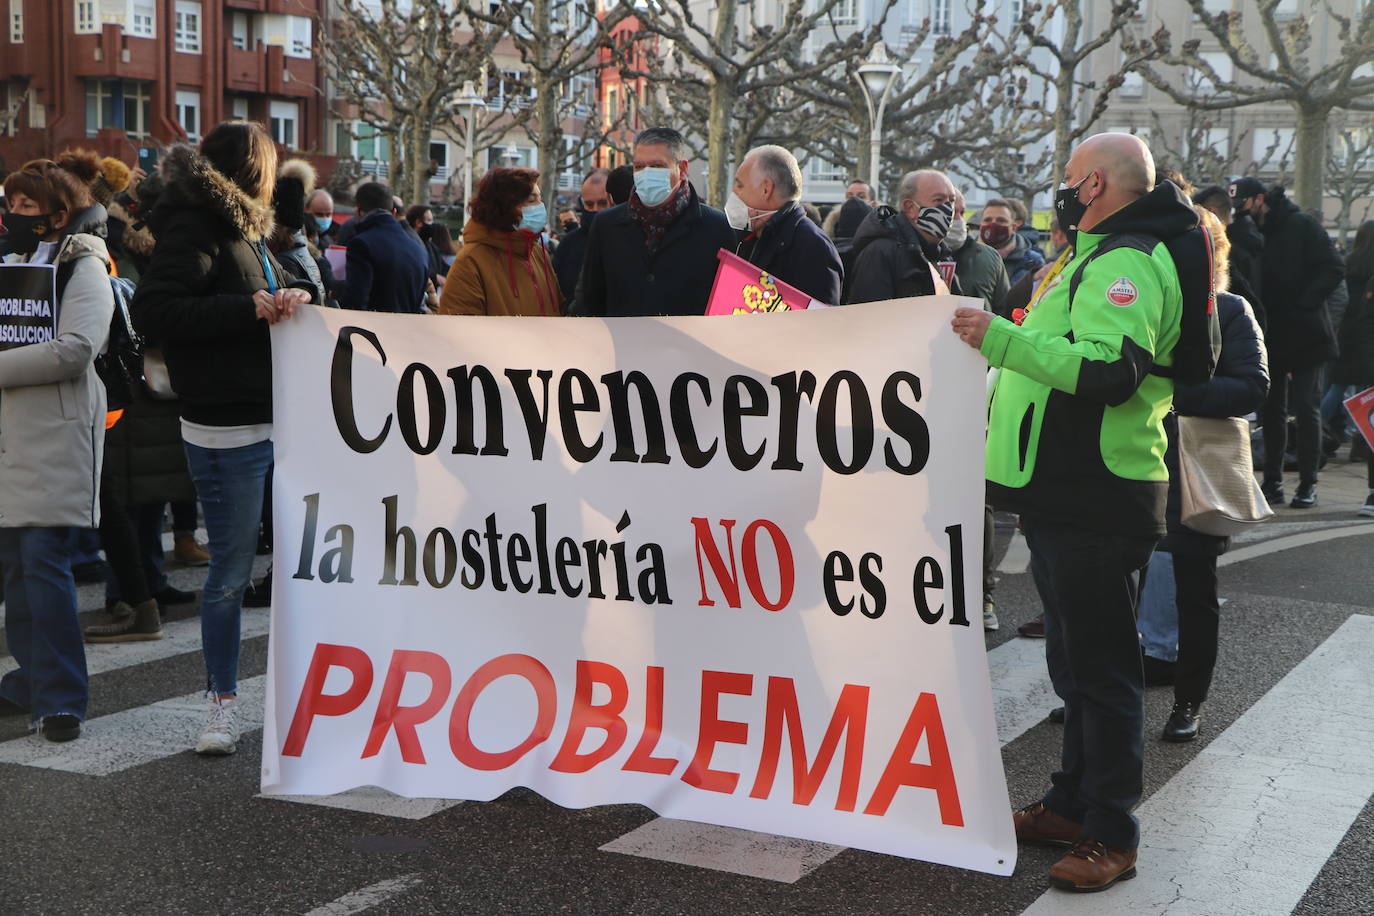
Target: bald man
[(1076, 446), (894, 249)]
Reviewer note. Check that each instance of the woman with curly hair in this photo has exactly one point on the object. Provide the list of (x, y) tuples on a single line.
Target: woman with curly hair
[(503, 268)]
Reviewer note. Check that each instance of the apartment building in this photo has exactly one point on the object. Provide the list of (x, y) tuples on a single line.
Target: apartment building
[(116, 75)]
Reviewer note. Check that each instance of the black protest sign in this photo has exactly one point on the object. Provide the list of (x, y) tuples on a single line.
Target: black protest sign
[(28, 304)]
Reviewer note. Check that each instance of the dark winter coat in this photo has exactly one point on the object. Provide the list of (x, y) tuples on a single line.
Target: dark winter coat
[(1238, 387), (1356, 363), (1300, 270), (386, 269), (891, 260), (795, 250), (1247, 263), (569, 256), (620, 277), (1024, 259), (145, 459), (195, 299), (982, 273), (301, 262)]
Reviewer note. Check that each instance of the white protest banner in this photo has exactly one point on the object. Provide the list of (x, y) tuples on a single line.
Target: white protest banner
[(729, 569), (28, 304)]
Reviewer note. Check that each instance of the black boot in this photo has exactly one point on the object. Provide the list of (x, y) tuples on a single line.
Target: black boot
[(1184, 722)]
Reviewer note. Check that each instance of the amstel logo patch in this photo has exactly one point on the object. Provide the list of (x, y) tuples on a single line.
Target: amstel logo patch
[(1122, 293)]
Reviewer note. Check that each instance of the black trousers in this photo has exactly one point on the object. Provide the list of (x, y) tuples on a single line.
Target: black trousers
[(1199, 620), (120, 542), (1302, 397), (1088, 585)]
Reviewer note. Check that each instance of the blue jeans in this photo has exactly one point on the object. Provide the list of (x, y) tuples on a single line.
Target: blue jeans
[(229, 483), (40, 620), (1158, 617)]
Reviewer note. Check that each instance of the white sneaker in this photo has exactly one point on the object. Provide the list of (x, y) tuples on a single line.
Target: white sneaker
[(221, 733), (990, 623)]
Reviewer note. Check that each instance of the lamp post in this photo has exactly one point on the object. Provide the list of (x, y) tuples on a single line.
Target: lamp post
[(470, 103), (876, 76)]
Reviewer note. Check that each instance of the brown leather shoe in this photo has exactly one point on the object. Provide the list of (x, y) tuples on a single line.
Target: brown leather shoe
[(1092, 866), (1038, 824), (189, 552)]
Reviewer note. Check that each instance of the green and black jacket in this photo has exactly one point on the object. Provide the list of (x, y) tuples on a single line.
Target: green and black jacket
[(1075, 431)]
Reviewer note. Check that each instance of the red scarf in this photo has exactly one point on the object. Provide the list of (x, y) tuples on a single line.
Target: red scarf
[(655, 221)]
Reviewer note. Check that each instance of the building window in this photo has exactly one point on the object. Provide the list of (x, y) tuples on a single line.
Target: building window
[(1132, 84), (14, 103), (298, 37), (821, 170), (508, 87), (188, 26), (438, 158), (939, 17), (238, 107), (369, 145), (283, 118), (16, 22), (141, 19), (122, 104), (188, 113), (87, 21), (238, 30), (845, 12)]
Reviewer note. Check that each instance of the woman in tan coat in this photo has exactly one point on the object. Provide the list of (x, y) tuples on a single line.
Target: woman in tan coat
[(503, 267)]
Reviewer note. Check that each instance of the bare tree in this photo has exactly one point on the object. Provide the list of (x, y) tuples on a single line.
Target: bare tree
[(1078, 103), (1350, 167), (945, 99), (559, 43), (401, 64), (1312, 83), (719, 60)]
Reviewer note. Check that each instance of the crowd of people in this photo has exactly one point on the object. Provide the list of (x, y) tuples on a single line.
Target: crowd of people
[(1084, 336)]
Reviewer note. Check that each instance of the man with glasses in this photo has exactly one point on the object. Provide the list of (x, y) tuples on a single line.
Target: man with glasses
[(572, 250)]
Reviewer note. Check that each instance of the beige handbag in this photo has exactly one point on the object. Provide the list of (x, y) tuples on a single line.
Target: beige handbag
[(1217, 487)]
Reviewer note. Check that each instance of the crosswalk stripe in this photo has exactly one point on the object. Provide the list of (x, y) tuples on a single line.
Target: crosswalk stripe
[(178, 638), (1017, 558), (1274, 545), (1246, 826), (366, 898), (133, 737), (1022, 696), (372, 800)]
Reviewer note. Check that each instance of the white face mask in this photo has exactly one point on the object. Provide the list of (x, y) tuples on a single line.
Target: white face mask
[(736, 211), (957, 234), (740, 215)]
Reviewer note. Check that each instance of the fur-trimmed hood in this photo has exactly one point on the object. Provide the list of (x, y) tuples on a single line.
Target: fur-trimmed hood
[(193, 183)]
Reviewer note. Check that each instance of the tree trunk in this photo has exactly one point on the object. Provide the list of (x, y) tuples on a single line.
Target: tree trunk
[(417, 161), (550, 145), (396, 146), (549, 128), (724, 83), (1310, 156), (722, 99)]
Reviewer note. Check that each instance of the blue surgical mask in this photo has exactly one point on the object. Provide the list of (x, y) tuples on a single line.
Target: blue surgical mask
[(653, 185), (534, 217), (324, 222)]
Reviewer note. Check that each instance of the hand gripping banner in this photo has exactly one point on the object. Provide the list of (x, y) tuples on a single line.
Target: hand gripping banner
[(727, 569)]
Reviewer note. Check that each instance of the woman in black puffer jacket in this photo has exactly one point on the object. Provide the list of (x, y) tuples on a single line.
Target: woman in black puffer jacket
[(207, 298), (1355, 366)]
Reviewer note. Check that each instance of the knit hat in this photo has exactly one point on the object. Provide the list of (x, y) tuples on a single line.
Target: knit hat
[(295, 182)]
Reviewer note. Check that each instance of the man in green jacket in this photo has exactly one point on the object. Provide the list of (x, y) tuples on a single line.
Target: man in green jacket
[(1076, 446)]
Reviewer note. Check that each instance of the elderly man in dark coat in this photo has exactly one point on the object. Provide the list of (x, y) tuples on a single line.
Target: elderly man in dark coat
[(775, 234)]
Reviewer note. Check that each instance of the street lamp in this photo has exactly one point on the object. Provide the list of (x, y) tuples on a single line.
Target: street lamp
[(470, 104), (876, 76)]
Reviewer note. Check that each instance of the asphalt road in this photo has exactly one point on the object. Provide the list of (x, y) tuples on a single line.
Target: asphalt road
[(168, 832)]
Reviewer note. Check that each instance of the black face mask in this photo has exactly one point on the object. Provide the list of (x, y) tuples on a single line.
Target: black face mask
[(1069, 209), (23, 232)]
